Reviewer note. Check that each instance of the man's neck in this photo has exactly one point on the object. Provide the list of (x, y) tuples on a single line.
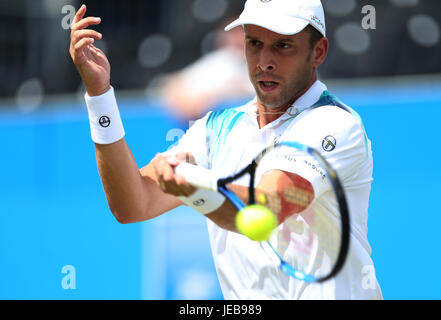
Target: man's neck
[(267, 115)]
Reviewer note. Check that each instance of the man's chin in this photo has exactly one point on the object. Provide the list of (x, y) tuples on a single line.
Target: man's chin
[(271, 103)]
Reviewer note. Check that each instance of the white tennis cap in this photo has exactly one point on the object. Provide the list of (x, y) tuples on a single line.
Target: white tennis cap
[(282, 16)]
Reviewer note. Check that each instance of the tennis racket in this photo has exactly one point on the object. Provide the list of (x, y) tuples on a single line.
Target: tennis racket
[(311, 241)]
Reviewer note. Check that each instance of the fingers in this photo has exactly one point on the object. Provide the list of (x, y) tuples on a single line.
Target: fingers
[(80, 14), (79, 35), (83, 43), (168, 174), (80, 23), (97, 53), (168, 180), (185, 157), (173, 160), (160, 164), (84, 23)]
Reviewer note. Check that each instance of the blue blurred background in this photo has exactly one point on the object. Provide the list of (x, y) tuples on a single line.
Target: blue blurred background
[(53, 211)]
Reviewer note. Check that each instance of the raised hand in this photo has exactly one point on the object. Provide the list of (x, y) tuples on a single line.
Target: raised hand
[(91, 62)]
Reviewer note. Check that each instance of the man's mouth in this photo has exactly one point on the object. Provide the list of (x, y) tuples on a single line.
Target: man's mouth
[(268, 86)]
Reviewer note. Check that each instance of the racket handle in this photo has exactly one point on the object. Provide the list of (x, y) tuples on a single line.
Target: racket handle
[(197, 176)]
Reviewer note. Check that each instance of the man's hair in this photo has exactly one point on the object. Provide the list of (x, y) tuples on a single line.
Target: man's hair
[(315, 35)]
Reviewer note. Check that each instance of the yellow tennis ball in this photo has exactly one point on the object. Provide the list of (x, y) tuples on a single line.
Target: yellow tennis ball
[(256, 222)]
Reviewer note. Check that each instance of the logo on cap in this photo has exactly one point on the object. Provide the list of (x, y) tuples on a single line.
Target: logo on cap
[(318, 21), (329, 143)]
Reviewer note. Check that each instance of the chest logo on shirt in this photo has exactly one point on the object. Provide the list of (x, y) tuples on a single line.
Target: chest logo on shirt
[(329, 143), (277, 139)]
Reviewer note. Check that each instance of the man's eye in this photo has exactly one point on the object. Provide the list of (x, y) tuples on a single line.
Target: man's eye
[(253, 43), (283, 45)]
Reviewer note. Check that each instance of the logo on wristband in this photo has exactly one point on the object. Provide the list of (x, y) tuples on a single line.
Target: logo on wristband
[(199, 202), (104, 121)]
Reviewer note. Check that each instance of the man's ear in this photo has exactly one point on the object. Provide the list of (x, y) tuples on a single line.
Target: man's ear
[(320, 51)]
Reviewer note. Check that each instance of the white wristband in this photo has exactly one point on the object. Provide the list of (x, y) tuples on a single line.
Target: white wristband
[(105, 121), (204, 201)]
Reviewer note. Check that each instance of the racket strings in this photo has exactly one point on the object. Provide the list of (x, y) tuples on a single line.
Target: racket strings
[(285, 202), (298, 196), (271, 201)]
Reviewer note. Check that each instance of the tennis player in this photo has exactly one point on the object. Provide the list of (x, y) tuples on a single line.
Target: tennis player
[(285, 43)]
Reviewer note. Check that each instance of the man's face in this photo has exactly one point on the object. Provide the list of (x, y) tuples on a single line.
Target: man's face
[(280, 67)]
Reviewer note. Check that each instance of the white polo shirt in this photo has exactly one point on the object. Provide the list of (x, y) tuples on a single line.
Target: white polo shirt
[(227, 141)]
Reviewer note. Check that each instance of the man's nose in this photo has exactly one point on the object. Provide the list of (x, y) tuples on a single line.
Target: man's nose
[(266, 60)]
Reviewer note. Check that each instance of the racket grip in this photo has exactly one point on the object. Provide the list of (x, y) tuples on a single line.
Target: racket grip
[(197, 176)]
